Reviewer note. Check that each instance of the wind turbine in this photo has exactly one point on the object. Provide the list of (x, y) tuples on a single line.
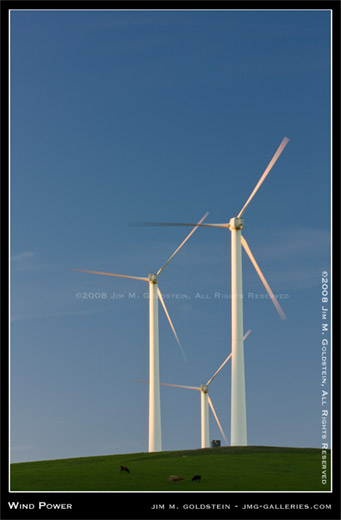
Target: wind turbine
[(154, 422), (236, 224), (206, 402)]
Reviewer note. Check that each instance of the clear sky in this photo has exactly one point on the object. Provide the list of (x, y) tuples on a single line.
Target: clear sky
[(119, 117)]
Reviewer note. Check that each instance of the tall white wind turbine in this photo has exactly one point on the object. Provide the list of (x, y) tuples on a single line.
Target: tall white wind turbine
[(154, 423), (236, 224), (206, 402)]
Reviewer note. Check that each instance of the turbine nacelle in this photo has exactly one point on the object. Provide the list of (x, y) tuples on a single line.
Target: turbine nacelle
[(204, 389), (236, 223), (152, 277)]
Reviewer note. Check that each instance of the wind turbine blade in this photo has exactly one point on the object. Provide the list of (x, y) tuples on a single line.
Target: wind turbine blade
[(111, 274), (217, 372), (262, 277), (266, 172), (170, 323), (216, 417), (168, 384), (191, 224), (246, 334), (181, 386), (182, 243), (226, 360)]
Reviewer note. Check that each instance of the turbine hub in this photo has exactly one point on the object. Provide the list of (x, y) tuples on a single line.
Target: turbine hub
[(152, 277), (237, 223), (204, 388)]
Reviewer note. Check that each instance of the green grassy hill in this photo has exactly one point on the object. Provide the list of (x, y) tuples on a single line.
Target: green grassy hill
[(251, 468)]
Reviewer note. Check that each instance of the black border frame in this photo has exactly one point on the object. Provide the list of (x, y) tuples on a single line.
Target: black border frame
[(138, 505)]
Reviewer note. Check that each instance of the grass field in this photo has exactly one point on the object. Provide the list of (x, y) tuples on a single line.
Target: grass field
[(251, 468)]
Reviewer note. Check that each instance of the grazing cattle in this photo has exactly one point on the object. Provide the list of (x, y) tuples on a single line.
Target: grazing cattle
[(175, 478), (124, 468), (196, 477)]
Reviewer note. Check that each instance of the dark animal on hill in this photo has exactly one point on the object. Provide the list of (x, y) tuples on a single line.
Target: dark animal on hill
[(175, 478), (196, 477), (124, 468)]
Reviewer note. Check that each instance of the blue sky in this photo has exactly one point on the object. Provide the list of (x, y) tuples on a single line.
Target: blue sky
[(119, 117)]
